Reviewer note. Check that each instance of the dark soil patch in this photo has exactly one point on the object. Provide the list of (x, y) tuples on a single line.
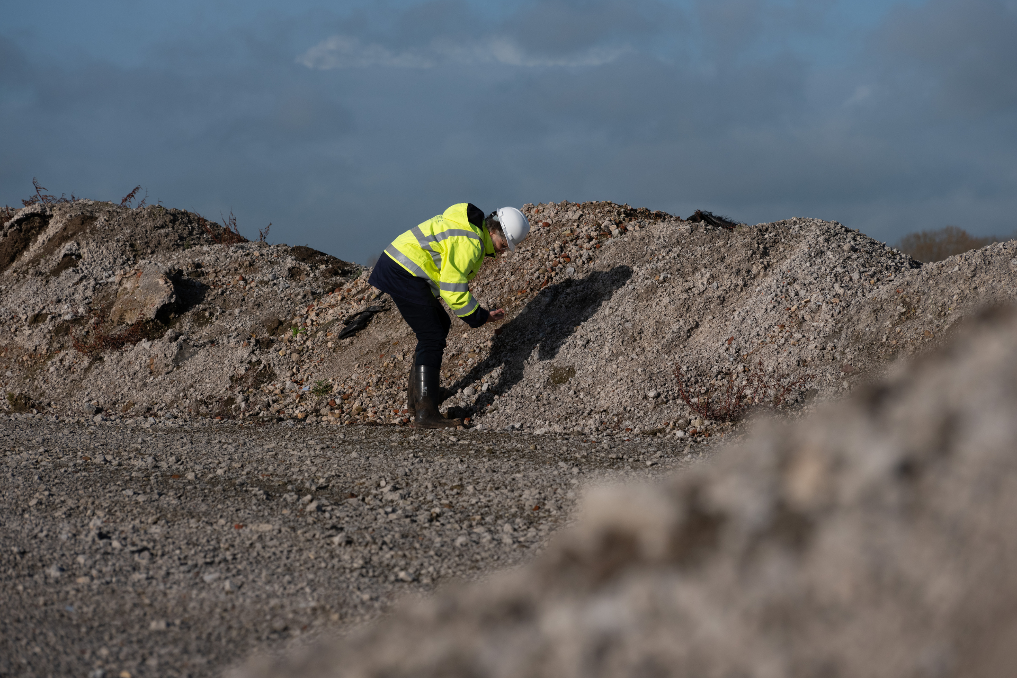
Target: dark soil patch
[(255, 376), (273, 325), (19, 402), (103, 338), (75, 227), (561, 375), (200, 319), (309, 255), (21, 237), (66, 262), (223, 408), (333, 266)]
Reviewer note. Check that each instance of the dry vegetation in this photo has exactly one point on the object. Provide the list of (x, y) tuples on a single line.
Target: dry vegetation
[(929, 246)]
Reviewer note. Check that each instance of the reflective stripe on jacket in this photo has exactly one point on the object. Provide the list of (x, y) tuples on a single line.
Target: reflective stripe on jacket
[(447, 251)]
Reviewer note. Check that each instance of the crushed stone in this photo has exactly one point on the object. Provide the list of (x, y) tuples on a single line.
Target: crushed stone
[(180, 549)]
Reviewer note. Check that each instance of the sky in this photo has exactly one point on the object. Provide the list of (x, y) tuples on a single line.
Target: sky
[(343, 124)]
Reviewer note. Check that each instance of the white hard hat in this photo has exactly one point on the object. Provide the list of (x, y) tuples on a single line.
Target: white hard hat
[(514, 225)]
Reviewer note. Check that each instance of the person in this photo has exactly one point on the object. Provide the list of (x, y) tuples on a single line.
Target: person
[(439, 258)]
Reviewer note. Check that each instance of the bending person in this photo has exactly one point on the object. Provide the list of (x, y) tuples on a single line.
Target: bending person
[(439, 258)]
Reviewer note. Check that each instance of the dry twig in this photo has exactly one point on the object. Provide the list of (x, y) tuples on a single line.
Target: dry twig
[(129, 198)]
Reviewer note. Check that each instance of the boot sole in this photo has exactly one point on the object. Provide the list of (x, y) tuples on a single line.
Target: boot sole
[(446, 423)]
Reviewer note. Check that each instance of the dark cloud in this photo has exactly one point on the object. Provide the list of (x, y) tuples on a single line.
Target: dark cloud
[(403, 111), (964, 51), (568, 27)]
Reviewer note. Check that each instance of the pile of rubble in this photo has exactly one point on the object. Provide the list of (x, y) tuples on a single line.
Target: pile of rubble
[(620, 320)]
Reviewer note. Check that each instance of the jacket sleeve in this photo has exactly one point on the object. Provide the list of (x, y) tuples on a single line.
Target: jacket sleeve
[(477, 318), (462, 255)]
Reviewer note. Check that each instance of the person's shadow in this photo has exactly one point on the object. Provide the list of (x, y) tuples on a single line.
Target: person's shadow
[(546, 323)]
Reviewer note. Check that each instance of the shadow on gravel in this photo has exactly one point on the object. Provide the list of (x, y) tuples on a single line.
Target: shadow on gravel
[(545, 324)]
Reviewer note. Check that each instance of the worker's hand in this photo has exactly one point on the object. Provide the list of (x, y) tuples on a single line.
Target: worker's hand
[(496, 315)]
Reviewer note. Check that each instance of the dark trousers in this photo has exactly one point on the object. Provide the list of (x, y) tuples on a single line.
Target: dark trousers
[(419, 308), (431, 324)]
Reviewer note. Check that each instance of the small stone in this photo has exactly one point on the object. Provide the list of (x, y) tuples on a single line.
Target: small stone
[(469, 392), (157, 625)]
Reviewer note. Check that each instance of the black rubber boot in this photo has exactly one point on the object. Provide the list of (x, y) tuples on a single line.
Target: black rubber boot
[(427, 414), (411, 391)]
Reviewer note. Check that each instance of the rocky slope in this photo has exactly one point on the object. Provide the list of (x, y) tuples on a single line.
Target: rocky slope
[(872, 539), (138, 314)]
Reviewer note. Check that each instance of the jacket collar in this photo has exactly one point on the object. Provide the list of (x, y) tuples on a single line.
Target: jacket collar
[(457, 213)]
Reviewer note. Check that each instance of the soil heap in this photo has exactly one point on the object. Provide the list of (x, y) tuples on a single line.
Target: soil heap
[(621, 320)]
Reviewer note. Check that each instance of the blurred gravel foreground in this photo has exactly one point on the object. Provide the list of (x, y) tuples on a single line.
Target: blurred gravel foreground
[(206, 467)]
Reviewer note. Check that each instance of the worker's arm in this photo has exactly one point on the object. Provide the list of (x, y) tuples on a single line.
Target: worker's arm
[(461, 255), (477, 318)]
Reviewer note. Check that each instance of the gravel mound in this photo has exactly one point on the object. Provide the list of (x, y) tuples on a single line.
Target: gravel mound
[(874, 538), (614, 312), (202, 448)]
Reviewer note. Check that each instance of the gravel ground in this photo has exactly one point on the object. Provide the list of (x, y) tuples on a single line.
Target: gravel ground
[(175, 551)]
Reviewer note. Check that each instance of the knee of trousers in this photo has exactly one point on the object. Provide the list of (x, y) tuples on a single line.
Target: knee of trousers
[(430, 356)]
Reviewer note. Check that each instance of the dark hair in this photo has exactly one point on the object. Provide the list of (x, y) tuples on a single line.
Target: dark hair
[(494, 225)]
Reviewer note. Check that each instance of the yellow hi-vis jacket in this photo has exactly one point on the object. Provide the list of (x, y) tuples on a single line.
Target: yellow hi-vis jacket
[(447, 251)]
